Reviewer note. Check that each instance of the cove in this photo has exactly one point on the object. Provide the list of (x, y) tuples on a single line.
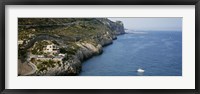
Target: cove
[(158, 53)]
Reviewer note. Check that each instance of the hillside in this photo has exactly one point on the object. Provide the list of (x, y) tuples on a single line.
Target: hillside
[(75, 39)]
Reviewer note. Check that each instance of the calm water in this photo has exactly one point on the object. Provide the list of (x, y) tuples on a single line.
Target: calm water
[(158, 53)]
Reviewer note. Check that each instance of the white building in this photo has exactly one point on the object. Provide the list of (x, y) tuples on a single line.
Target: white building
[(62, 55), (51, 49)]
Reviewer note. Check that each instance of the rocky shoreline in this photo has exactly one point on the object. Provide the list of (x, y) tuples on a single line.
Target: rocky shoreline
[(73, 65)]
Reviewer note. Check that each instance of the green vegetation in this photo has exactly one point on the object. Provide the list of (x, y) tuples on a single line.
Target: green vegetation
[(38, 47), (33, 60), (73, 27), (47, 21), (22, 53), (72, 49), (63, 50), (43, 65), (71, 30)]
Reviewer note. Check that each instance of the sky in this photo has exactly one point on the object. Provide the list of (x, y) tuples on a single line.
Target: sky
[(152, 24)]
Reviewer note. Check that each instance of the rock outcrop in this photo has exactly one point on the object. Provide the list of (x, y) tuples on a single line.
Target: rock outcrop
[(116, 27)]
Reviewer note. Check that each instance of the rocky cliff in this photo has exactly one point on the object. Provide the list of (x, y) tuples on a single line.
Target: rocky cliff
[(80, 39)]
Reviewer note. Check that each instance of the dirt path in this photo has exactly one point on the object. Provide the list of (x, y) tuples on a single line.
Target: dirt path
[(34, 68), (26, 68)]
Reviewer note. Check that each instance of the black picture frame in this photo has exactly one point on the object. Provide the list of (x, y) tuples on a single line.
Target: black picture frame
[(3, 3)]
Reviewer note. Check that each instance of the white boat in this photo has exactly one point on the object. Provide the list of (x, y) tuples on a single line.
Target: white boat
[(140, 70)]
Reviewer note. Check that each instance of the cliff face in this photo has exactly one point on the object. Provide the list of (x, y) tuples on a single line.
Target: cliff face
[(116, 27), (81, 39)]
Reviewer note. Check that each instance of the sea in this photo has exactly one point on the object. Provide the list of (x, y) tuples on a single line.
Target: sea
[(158, 53)]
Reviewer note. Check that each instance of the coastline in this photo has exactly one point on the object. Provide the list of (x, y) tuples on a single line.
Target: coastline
[(77, 48)]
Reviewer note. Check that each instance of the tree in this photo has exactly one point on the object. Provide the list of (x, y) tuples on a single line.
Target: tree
[(33, 60)]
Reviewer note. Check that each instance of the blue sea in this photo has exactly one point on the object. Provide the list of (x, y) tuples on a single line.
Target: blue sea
[(158, 53)]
